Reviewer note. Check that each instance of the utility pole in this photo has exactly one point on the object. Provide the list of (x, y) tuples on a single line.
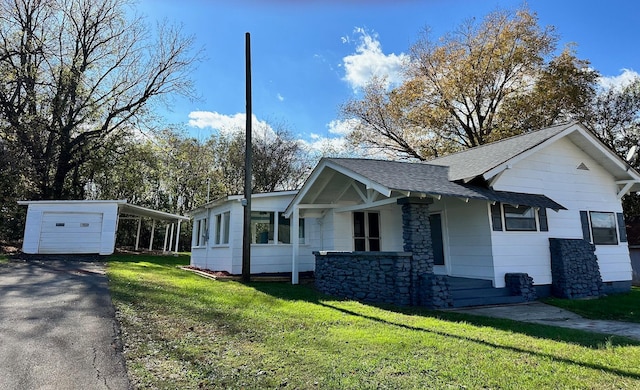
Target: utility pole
[(246, 202)]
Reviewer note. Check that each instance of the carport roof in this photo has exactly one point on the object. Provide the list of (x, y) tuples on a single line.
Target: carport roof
[(123, 208)]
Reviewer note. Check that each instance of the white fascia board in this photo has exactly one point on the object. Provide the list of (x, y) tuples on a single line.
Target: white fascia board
[(305, 187), (488, 176), (369, 184), (28, 202)]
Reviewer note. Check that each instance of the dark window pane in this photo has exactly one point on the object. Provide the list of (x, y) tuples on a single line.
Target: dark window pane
[(359, 245), (358, 224), (374, 227), (374, 245), (603, 228), (435, 220), (284, 229), (519, 218)]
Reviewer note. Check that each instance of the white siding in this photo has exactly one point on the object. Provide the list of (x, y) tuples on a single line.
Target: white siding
[(42, 236), (553, 172), (265, 258), (467, 238)]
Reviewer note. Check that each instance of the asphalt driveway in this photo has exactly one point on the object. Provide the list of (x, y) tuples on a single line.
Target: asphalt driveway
[(58, 327)]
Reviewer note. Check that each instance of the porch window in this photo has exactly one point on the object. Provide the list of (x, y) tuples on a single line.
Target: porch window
[(266, 229), (284, 230), (200, 235), (222, 228), (603, 228), (366, 231), (521, 218)]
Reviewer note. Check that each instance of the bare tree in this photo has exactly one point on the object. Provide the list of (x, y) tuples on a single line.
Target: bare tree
[(75, 74)]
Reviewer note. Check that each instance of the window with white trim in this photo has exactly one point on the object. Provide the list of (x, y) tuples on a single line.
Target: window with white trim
[(518, 218), (222, 228), (200, 234), (366, 231), (267, 229)]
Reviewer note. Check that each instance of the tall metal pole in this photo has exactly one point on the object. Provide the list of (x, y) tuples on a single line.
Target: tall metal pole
[(246, 235)]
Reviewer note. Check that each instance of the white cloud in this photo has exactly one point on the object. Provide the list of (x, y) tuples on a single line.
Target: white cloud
[(226, 124), (369, 61), (619, 82), (280, 97), (341, 127)]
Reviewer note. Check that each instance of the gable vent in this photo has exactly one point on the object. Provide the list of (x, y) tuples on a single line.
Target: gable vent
[(582, 167)]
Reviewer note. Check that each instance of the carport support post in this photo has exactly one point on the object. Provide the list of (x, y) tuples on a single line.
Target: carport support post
[(153, 230), (177, 235), (138, 233), (166, 235), (171, 237)]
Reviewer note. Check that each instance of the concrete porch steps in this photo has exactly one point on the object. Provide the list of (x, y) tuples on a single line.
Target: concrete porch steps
[(467, 292)]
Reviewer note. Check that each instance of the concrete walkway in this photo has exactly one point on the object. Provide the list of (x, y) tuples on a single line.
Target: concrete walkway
[(58, 327), (540, 313)]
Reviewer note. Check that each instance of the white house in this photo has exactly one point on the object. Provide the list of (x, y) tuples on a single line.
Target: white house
[(493, 210), (87, 226), (218, 228)]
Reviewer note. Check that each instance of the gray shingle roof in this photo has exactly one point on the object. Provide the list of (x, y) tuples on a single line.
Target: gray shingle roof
[(476, 161), (433, 180)]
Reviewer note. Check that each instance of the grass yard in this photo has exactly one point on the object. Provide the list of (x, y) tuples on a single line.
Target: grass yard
[(184, 331), (3, 258), (619, 307)]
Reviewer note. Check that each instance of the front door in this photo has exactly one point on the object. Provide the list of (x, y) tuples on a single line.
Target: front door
[(437, 240)]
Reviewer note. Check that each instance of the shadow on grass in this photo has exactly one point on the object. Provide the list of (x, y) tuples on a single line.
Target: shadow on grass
[(194, 302), (582, 338)]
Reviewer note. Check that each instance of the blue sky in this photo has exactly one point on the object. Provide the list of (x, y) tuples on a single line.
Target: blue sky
[(309, 57)]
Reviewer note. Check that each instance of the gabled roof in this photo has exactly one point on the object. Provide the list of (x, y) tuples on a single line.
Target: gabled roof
[(415, 179), (428, 179), (487, 161), (470, 163)]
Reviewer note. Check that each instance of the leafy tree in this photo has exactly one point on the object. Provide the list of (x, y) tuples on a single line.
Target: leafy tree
[(465, 89), (279, 162), (78, 74)]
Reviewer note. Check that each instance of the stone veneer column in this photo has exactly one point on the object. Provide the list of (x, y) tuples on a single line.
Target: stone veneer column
[(416, 234)]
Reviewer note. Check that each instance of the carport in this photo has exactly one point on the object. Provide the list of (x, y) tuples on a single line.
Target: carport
[(90, 226)]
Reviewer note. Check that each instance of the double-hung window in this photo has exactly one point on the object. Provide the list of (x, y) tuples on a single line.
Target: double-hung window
[(603, 228), (222, 228), (518, 218), (366, 231), (200, 234)]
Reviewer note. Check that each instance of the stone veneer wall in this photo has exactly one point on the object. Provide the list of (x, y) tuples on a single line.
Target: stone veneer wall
[(435, 292), (521, 284), (379, 277), (574, 269), (416, 234)]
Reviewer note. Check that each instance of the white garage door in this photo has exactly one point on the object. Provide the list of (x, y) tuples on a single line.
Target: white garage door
[(70, 233)]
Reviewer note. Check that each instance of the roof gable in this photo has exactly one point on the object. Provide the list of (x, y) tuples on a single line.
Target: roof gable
[(474, 162)]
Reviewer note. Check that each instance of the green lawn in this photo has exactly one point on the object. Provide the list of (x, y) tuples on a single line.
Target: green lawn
[(184, 331), (3, 258), (620, 307)]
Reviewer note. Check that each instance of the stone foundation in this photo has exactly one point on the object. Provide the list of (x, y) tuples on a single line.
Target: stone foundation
[(435, 292), (574, 269), (521, 284), (377, 277)]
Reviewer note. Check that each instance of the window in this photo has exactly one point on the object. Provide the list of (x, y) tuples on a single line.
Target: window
[(603, 228), (284, 230), (266, 229), (200, 234), (521, 218), (222, 228), (366, 231)]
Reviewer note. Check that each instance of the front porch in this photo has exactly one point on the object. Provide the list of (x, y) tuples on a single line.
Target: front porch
[(396, 278)]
